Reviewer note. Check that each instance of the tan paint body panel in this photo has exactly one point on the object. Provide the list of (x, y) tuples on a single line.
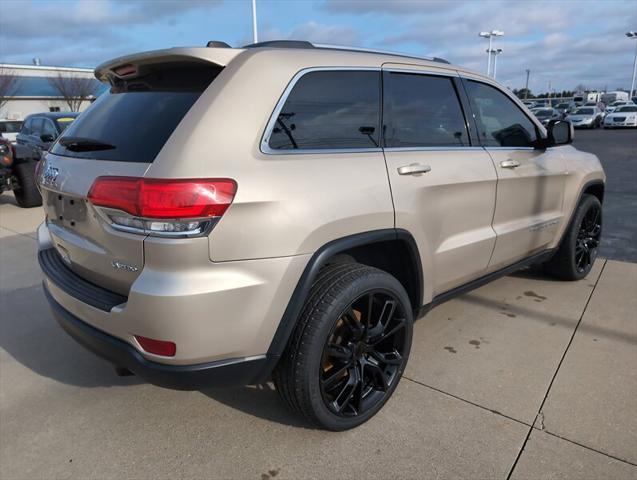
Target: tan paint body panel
[(448, 210), (223, 296), (211, 311), (529, 207), (79, 233)]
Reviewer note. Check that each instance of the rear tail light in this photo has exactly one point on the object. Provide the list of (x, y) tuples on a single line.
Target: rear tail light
[(162, 206), (157, 347)]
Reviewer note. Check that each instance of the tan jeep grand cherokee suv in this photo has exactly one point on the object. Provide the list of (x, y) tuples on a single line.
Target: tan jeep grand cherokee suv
[(286, 210)]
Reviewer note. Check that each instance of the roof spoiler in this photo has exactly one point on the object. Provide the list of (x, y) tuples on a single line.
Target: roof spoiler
[(128, 66)]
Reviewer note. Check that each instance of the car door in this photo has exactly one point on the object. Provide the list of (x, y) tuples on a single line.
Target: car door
[(36, 131), (49, 132), (25, 131), (443, 185), (528, 211)]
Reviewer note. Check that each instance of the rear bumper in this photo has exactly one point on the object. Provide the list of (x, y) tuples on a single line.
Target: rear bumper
[(222, 373), (213, 312)]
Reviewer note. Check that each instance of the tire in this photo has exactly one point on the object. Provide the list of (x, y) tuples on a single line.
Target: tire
[(25, 191), (358, 368), (577, 252)]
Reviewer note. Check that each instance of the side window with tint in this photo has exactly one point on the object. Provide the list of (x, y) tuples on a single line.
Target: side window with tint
[(36, 126), (422, 111), (330, 110), (500, 122), (26, 127), (49, 128)]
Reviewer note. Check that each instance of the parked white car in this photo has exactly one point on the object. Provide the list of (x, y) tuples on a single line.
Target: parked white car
[(615, 105), (625, 116), (9, 129), (586, 117)]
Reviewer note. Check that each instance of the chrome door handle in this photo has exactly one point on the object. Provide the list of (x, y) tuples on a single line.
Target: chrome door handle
[(413, 169), (509, 164)]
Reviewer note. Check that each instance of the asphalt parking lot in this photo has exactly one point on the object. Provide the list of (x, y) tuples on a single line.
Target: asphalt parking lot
[(617, 150), (524, 378)]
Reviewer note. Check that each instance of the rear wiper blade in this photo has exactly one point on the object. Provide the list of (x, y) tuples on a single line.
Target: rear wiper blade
[(83, 144)]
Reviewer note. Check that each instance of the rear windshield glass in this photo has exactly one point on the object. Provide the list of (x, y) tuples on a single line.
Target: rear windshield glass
[(133, 120)]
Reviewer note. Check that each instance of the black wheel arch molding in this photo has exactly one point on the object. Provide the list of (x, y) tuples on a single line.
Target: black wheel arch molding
[(595, 187), (321, 258)]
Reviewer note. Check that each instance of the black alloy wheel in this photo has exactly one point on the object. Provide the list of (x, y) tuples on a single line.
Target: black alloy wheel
[(363, 354), (349, 347), (578, 248), (588, 237)]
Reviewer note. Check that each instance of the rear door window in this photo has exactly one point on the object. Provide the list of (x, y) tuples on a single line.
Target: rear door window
[(49, 128), (501, 123), (36, 126), (26, 127), (330, 110), (422, 111), (133, 120)]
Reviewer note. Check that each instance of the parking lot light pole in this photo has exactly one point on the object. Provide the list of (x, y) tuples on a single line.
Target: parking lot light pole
[(633, 34), (495, 52), (255, 37), (490, 35)]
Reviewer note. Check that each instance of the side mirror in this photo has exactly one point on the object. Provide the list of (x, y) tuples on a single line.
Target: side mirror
[(560, 132), (47, 137)]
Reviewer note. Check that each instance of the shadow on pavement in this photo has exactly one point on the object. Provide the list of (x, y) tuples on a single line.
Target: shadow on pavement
[(8, 199), (30, 334), (260, 401)]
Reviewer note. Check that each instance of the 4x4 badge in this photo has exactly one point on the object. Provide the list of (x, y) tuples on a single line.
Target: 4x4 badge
[(123, 266)]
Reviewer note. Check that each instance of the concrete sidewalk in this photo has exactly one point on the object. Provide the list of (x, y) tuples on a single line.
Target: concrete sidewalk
[(524, 378)]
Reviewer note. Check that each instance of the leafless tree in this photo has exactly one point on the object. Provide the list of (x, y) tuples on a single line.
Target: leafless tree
[(74, 89), (9, 85)]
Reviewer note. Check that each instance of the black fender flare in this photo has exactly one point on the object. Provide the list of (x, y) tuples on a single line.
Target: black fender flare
[(318, 260), (584, 187)]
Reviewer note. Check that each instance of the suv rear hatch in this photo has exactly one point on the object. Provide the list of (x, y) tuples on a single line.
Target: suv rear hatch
[(118, 136)]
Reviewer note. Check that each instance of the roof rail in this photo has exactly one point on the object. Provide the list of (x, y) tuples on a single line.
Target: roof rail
[(382, 52), (305, 44), (281, 44)]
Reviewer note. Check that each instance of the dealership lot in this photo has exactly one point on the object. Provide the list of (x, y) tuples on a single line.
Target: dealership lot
[(526, 377)]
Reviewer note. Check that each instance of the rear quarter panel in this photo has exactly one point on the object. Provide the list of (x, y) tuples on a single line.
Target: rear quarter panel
[(285, 204)]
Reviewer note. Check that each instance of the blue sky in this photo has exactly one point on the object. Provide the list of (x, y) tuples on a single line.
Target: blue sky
[(565, 43)]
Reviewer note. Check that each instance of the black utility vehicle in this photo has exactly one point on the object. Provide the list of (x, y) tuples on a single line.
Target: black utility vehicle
[(40, 130), (17, 173)]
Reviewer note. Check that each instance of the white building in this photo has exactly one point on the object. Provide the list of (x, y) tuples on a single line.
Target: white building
[(34, 92)]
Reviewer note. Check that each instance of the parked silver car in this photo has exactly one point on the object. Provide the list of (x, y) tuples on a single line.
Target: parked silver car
[(586, 117), (545, 115)]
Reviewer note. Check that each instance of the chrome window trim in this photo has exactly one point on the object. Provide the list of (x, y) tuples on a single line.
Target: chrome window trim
[(508, 148), (265, 139), (441, 148), (447, 73)]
